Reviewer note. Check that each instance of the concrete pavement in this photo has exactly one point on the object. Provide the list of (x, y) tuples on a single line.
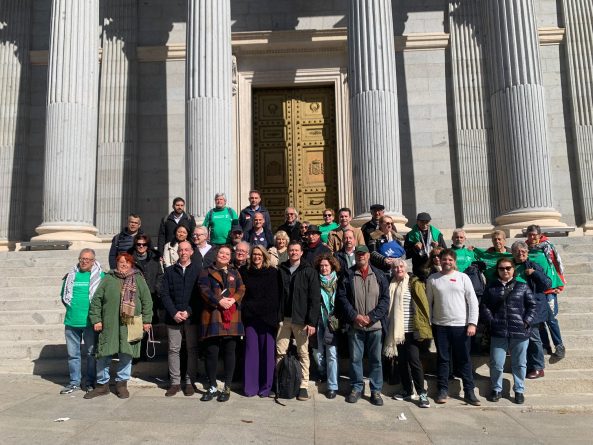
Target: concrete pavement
[(29, 405)]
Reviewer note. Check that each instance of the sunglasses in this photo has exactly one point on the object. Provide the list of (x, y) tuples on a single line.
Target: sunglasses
[(141, 244), (327, 215), (508, 268)]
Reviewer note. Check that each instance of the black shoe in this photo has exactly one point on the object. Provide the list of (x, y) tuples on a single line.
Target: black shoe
[(494, 396), (225, 395), (353, 396), (188, 390), (403, 395), (331, 394), (471, 399), (376, 398), (442, 396), (209, 395), (560, 351), (519, 398), (303, 395)]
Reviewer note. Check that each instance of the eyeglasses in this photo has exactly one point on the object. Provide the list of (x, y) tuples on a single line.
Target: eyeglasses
[(508, 268), (388, 223), (328, 215), (86, 260), (141, 244)]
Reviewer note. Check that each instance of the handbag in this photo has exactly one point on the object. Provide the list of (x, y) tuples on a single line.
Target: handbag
[(135, 329)]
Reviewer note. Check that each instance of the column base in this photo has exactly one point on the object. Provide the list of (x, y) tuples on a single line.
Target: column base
[(6, 245), (514, 223), (77, 234), (587, 228), (478, 230), (399, 221)]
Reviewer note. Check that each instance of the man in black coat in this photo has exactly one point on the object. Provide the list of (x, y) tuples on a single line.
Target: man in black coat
[(259, 234), (124, 240), (291, 225), (314, 247), (180, 295), (362, 303), (299, 310), (170, 222), (248, 213)]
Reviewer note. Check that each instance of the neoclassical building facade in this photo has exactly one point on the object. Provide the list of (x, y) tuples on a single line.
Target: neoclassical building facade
[(479, 112)]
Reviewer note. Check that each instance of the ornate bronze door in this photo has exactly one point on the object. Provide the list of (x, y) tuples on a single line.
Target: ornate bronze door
[(295, 151)]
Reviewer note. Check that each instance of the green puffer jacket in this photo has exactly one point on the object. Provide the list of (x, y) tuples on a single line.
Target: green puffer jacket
[(422, 313), (113, 339)]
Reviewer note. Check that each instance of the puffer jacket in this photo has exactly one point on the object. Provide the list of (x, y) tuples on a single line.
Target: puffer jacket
[(507, 316)]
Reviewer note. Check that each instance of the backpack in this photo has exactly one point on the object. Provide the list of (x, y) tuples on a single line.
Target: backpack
[(288, 376), (392, 249), (477, 278)]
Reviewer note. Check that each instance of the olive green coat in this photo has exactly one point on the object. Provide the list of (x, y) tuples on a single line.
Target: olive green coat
[(113, 339)]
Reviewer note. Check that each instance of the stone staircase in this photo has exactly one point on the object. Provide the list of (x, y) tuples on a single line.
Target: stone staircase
[(32, 333)]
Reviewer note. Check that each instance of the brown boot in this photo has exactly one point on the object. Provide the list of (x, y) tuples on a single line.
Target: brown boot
[(173, 389), (122, 389), (100, 390)]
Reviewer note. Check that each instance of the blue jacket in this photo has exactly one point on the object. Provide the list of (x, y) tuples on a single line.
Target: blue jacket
[(180, 292), (507, 316), (122, 242), (345, 305)]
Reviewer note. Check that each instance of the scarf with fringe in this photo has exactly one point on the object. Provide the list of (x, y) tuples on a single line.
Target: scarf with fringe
[(71, 276), (395, 333), (127, 306)]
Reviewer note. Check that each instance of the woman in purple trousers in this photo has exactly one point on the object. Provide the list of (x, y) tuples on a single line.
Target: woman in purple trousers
[(260, 318)]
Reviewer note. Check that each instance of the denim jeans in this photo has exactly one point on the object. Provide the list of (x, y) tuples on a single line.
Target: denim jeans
[(498, 354), (551, 323), (74, 338), (358, 341), (124, 368), (535, 350), (327, 359), (452, 341)]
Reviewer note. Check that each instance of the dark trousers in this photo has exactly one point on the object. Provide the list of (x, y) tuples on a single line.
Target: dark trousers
[(410, 367), (453, 339), (213, 346)]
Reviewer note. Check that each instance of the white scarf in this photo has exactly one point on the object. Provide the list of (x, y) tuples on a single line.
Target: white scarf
[(93, 283), (395, 333)]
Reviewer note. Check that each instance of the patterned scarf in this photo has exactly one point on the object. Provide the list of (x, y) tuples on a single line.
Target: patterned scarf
[(93, 283), (328, 285), (127, 306)]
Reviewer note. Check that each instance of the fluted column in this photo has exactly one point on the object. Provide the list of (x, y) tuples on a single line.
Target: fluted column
[(472, 119), (209, 152), (15, 17), (71, 128), (116, 160), (518, 116), (373, 108), (578, 20)]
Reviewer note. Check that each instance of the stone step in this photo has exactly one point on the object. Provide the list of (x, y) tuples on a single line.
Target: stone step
[(31, 281), (577, 339), (41, 317), (50, 333), (576, 321), (571, 304), (44, 271), (48, 292), (578, 268), (33, 304), (580, 278), (576, 290)]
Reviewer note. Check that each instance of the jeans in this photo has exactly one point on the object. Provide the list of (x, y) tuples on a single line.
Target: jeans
[(124, 368), (535, 350), (327, 359), (74, 337), (453, 340), (498, 354), (551, 323), (358, 341)]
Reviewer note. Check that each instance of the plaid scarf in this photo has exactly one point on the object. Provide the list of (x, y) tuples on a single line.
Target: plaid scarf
[(127, 306)]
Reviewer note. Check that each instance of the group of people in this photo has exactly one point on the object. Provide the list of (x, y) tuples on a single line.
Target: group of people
[(309, 285)]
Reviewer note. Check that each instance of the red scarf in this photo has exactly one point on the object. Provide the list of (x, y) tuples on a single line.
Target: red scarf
[(227, 316)]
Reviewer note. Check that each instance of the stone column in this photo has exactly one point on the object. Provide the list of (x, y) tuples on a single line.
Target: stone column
[(15, 17), (209, 152), (578, 21), (71, 129), (472, 115), (373, 108), (116, 160), (518, 116)]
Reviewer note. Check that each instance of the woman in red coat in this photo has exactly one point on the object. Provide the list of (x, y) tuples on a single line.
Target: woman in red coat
[(222, 290)]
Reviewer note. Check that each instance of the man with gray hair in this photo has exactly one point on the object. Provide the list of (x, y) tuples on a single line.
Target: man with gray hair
[(219, 221), (291, 224), (465, 255), (79, 286)]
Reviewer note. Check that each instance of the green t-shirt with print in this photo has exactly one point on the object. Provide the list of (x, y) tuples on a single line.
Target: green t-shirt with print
[(219, 222), (77, 313)]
